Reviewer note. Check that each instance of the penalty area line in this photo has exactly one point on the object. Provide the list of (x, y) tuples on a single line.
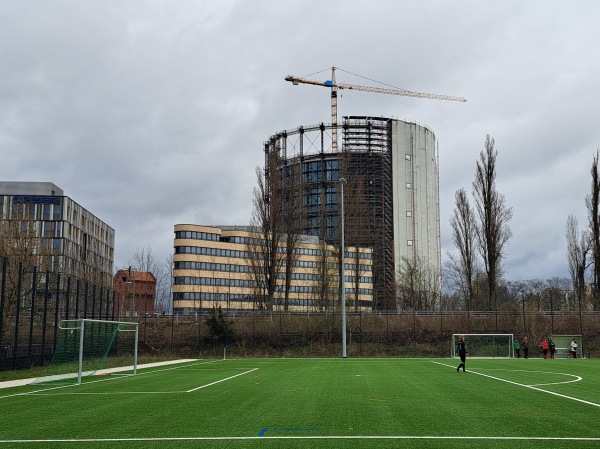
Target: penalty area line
[(583, 401), (219, 381)]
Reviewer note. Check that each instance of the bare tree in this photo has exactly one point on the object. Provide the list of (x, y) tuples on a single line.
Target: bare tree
[(325, 283), (464, 235), (265, 257), (143, 260), (417, 285), (493, 232), (357, 223), (164, 283), (592, 202), (578, 248), (292, 218), (23, 244)]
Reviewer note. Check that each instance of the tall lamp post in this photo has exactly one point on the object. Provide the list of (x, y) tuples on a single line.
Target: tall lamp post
[(343, 270)]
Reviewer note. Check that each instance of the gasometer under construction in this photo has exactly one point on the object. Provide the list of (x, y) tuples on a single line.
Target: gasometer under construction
[(391, 196)]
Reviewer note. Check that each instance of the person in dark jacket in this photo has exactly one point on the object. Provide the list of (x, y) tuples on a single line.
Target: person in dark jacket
[(461, 348)]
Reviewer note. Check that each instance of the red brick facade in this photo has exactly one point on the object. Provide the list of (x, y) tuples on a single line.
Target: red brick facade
[(135, 292)]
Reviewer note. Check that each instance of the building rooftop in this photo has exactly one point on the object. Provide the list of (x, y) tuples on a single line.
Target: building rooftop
[(30, 188)]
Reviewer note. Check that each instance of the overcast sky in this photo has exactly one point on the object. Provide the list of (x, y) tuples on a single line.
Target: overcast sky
[(154, 113)]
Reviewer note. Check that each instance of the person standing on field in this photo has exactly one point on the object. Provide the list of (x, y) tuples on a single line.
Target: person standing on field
[(461, 348), (544, 348), (525, 346), (517, 347), (552, 349), (574, 348)]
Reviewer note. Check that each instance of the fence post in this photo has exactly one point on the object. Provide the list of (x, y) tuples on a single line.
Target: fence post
[(77, 300), (94, 301), (18, 317), (85, 299), (2, 293), (57, 306), (113, 306), (32, 315), (45, 316), (68, 298)]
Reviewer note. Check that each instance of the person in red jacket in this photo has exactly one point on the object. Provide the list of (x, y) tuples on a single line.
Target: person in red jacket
[(544, 347)]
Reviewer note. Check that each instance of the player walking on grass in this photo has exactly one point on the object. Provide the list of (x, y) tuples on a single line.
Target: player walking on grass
[(461, 348)]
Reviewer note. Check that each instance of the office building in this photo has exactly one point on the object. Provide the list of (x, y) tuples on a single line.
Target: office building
[(215, 267), (69, 238)]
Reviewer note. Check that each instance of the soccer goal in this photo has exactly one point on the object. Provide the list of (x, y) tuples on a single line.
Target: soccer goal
[(83, 347), (485, 345)]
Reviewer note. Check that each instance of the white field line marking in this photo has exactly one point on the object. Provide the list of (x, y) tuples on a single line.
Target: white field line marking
[(307, 437), (528, 386), (120, 393), (219, 381), (105, 380), (576, 378)]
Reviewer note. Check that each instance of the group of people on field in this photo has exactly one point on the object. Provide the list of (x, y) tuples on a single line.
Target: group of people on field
[(547, 348)]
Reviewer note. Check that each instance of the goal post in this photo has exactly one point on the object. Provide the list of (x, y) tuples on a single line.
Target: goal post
[(485, 345), (84, 347)]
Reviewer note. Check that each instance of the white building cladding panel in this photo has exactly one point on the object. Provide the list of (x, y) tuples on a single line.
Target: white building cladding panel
[(416, 194)]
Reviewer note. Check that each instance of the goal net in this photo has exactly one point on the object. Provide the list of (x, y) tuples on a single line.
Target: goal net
[(485, 345), (83, 347)]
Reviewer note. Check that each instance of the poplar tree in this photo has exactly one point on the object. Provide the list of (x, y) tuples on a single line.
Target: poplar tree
[(493, 232), (464, 235), (592, 202)]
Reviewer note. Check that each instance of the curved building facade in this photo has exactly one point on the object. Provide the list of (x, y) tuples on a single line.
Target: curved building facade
[(213, 267), (390, 168)]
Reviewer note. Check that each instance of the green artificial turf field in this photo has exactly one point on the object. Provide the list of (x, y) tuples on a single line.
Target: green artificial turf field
[(315, 403)]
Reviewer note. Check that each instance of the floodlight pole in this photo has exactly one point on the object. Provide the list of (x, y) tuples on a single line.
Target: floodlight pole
[(343, 270)]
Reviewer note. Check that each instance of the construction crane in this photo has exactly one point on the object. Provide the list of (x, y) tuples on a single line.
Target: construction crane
[(335, 86)]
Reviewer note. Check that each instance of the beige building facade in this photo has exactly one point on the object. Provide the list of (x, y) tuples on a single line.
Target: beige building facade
[(215, 267)]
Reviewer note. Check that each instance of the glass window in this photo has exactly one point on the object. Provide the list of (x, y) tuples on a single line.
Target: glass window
[(57, 212)]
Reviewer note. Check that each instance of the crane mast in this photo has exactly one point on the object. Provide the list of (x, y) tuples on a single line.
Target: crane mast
[(334, 86)]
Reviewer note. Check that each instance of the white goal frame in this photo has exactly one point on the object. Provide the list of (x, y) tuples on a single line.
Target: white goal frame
[(80, 326), (82, 337), (485, 346)]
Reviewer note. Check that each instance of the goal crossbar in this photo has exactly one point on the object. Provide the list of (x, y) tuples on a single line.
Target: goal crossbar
[(485, 345)]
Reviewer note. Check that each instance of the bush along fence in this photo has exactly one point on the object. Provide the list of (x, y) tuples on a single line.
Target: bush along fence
[(217, 333), (32, 304)]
